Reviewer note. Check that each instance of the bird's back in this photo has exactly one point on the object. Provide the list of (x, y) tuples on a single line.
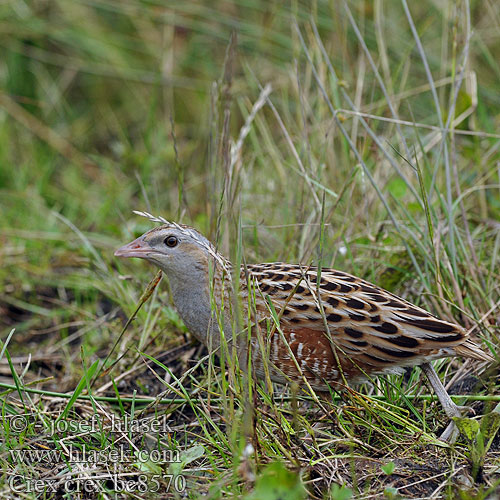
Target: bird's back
[(341, 323)]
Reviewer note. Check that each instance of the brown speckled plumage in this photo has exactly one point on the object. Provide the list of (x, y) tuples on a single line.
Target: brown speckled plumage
[(372, 331), (329, 330)]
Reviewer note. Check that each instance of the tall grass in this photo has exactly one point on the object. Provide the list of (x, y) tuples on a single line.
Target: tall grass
[(359, 135)]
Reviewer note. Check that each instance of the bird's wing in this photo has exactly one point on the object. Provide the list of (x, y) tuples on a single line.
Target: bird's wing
[(364, 321)]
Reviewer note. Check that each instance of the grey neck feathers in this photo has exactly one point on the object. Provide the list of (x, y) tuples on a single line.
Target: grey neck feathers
[(192, 298)]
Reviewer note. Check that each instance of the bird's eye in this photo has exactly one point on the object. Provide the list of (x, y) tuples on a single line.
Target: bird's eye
[(171, 241)]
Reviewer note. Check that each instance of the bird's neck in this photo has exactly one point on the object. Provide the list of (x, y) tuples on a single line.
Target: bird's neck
[(198, 299)]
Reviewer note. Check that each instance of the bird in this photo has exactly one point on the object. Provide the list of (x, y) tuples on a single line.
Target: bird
[(322, 328)]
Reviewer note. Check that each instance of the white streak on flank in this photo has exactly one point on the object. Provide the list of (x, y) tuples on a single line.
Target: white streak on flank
[(300, 348), (275, 346)]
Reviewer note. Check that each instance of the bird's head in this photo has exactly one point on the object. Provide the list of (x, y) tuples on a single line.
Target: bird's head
[(178, 250)]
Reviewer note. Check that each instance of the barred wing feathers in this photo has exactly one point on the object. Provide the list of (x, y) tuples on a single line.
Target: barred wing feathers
[(367, 323)]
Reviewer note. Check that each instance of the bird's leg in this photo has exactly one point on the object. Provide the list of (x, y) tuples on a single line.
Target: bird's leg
[(451, 432)]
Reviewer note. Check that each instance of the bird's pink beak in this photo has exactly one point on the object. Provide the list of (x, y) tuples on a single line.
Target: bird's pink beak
[(137, 248)]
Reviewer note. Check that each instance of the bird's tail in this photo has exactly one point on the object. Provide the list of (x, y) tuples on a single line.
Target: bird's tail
[(470, 349)]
